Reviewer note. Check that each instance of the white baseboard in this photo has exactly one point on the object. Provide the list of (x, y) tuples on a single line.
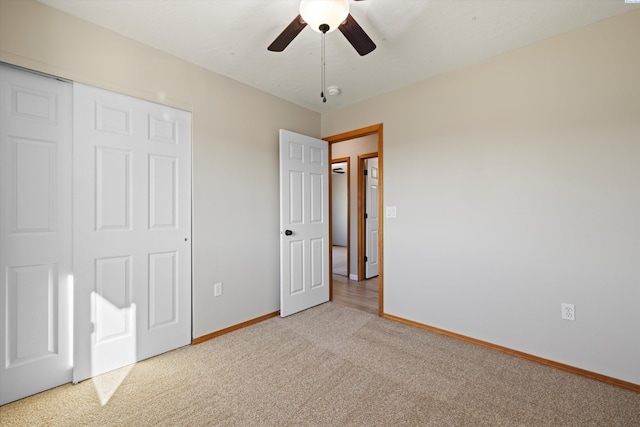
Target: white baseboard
[(353, 277)]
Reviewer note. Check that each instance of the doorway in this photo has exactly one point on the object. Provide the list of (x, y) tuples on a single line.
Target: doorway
[(341, 216), (356, 266)]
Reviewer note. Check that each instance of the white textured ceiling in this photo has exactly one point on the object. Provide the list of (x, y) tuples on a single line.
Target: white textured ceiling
[(416, 39)]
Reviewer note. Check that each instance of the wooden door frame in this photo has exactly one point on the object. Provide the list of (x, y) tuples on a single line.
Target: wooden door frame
[(346, 160), (359, 133)]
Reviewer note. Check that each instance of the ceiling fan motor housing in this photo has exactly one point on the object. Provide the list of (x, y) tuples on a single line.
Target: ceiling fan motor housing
[(324, 16)]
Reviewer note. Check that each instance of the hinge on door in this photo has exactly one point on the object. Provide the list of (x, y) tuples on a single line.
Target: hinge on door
[(366, 215), (366, 259), (366, 172)]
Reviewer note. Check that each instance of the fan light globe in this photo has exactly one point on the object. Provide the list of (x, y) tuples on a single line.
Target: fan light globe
[(318, 12)]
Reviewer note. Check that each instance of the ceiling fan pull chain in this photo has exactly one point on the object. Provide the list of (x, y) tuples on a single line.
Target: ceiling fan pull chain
[(322, 67)]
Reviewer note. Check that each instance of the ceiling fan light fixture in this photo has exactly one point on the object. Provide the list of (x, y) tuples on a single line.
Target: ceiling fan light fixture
[(317, 13)]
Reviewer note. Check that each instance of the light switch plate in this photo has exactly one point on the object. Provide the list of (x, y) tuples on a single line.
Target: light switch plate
[(390, 212)]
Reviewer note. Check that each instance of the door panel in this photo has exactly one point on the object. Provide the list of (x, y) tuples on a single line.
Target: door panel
[(296, 267), (133, 223), (163, 289), (113, 189), (163, 191), (35, 233), (34, 191), (304, 210), (317, 262), (31, 313), (113, 314)]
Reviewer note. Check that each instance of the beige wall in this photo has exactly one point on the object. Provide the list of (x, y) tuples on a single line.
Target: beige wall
[(517, 186), (235, 149)]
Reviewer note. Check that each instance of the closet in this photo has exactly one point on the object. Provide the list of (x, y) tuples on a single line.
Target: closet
[(95, 231)]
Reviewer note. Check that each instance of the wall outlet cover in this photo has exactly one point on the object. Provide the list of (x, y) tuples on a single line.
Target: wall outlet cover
[(568, 311), (217, 289)]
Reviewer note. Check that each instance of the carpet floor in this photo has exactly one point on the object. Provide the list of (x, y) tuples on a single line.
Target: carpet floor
[(331, 366)]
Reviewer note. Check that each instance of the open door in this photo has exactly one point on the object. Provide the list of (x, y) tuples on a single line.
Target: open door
[(304, 222), (371, 262)]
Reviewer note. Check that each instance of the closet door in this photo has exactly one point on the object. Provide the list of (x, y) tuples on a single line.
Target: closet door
[(132, 230), (35, 233)]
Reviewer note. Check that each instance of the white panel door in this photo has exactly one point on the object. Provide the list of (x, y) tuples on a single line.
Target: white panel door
[(304, 222), (35, 233), (132, 227), (372, 262)]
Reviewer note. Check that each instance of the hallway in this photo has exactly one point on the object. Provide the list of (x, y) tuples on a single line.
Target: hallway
[(361, 295)]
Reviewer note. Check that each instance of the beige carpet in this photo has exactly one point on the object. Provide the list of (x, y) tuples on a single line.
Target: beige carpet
[(332, 366)]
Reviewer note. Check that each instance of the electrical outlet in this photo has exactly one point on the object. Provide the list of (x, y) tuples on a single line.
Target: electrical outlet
[(217, 289), (568, 311)]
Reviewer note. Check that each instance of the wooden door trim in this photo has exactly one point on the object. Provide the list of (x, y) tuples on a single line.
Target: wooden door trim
[(358, 133)]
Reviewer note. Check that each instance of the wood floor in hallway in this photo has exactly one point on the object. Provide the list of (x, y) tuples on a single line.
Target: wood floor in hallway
[(361, 295)]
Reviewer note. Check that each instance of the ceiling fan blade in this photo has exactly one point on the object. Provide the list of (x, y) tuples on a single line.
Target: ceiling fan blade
[(287, 35), (356, 36)]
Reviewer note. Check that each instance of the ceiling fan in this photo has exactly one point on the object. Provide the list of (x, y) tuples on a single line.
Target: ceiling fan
[(325, 16)]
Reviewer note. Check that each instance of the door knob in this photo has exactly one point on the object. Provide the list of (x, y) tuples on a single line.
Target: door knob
[(288, 232)]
